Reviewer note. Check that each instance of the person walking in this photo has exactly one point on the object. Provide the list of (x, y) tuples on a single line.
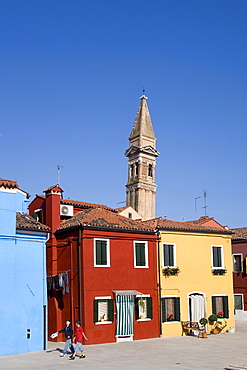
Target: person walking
[(67, 330), (78, 336)]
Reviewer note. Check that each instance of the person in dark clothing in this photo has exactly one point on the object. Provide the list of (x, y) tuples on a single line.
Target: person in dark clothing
[(67, 330)]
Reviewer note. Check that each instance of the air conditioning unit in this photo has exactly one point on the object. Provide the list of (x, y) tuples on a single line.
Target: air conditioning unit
[(66, 210)]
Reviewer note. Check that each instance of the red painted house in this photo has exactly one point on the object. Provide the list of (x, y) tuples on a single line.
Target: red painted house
[(239, 255), (109, 266)]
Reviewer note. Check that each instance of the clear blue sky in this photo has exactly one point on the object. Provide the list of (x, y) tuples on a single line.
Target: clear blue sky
[(71, 75)]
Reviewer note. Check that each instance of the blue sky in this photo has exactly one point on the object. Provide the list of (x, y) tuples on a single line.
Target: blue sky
[(71, 76)]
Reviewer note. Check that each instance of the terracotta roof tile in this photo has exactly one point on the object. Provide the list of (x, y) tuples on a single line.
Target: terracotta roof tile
[(86, 205), (102, 218), (239, 233), (165, 224), (81, 204), (53, 187), (8, 184), (26, 222)]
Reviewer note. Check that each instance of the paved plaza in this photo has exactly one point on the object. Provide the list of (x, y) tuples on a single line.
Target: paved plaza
[(215, 352)]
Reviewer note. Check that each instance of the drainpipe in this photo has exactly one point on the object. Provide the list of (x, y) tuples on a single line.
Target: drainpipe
[(72, 283), (79, 274), (159, 280)]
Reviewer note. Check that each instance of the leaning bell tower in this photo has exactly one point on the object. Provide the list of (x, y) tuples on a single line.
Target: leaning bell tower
[(142, 153)]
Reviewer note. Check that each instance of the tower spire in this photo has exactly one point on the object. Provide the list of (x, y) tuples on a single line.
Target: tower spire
[(142, 153)]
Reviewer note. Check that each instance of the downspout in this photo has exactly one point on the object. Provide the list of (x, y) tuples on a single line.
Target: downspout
[(159, 280), (72, 283), (79, 273)]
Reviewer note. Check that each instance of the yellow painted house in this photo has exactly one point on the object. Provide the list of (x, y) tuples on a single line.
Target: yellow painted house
[(195, 273)]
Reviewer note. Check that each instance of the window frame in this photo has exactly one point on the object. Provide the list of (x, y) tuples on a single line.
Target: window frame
[(146, 254), (107, 252), (225, 304), (110, 310), (177, 309), (242, 301), (174, 255), (149, 307), (241, 257), (222, 256)]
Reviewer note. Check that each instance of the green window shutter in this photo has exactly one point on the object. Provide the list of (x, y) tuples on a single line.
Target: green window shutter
[(95, 310), (225, 307), (171, 255), (214, 306), (111, 310), (149, 308), (137, 308), (163, 310), (166, 254), (177, 308), (101, 252), (217, 258), (140, 254)]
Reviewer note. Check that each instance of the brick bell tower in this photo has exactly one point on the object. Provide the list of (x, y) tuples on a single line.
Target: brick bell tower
[(142, 153)]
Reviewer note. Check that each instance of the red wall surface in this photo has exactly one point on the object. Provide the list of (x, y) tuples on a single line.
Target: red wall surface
[(240, 279), (102, 281)]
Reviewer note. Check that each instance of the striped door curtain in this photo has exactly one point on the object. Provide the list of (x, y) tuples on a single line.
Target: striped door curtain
[(125, 315)]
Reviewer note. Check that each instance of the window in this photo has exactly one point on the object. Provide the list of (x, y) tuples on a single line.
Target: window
[(170, 309), (101, 252), (137, 169), (237, 262), (238, 302), (144, 308), (220, 304), (141, 254), (150, 170), (103, 310), (169, 255), (38, 215), (217, 254), (130, 215), (132, 170)]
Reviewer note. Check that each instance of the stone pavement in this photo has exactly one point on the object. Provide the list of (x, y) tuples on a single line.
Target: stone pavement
[(181, 353)]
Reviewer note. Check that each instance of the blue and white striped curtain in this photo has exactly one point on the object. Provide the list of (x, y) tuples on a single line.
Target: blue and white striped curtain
[(125, 315)]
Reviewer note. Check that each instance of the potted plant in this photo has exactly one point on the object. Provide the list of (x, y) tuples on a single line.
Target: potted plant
[(212, 319), (219, 271), (220, 316), (170, 317), (204, 322), (169, 271)]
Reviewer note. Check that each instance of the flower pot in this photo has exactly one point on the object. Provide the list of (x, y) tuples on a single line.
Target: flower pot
[(214, 331), (221, 319), (204, 335)]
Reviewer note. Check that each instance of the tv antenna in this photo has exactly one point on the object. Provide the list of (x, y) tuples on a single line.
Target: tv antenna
[(183, 218), (205, 202), (59, 166)]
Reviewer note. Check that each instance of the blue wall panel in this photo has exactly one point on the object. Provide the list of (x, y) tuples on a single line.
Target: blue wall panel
[(23, 287)]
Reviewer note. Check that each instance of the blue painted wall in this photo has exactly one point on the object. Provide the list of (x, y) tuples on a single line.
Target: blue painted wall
[(23, 280)]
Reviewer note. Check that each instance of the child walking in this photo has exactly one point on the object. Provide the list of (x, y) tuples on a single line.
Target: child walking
[(67, 330), (78, 335)]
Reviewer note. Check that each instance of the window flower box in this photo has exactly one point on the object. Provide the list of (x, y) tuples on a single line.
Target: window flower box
[(219, 271), (170, 271)]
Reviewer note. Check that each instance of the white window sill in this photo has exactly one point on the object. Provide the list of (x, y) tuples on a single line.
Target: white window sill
[(103, 322), (144, 319), (102, 266), (141, 267), (170, 322)]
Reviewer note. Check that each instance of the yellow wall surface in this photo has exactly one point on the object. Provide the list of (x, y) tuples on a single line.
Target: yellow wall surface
[(194, 259)]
